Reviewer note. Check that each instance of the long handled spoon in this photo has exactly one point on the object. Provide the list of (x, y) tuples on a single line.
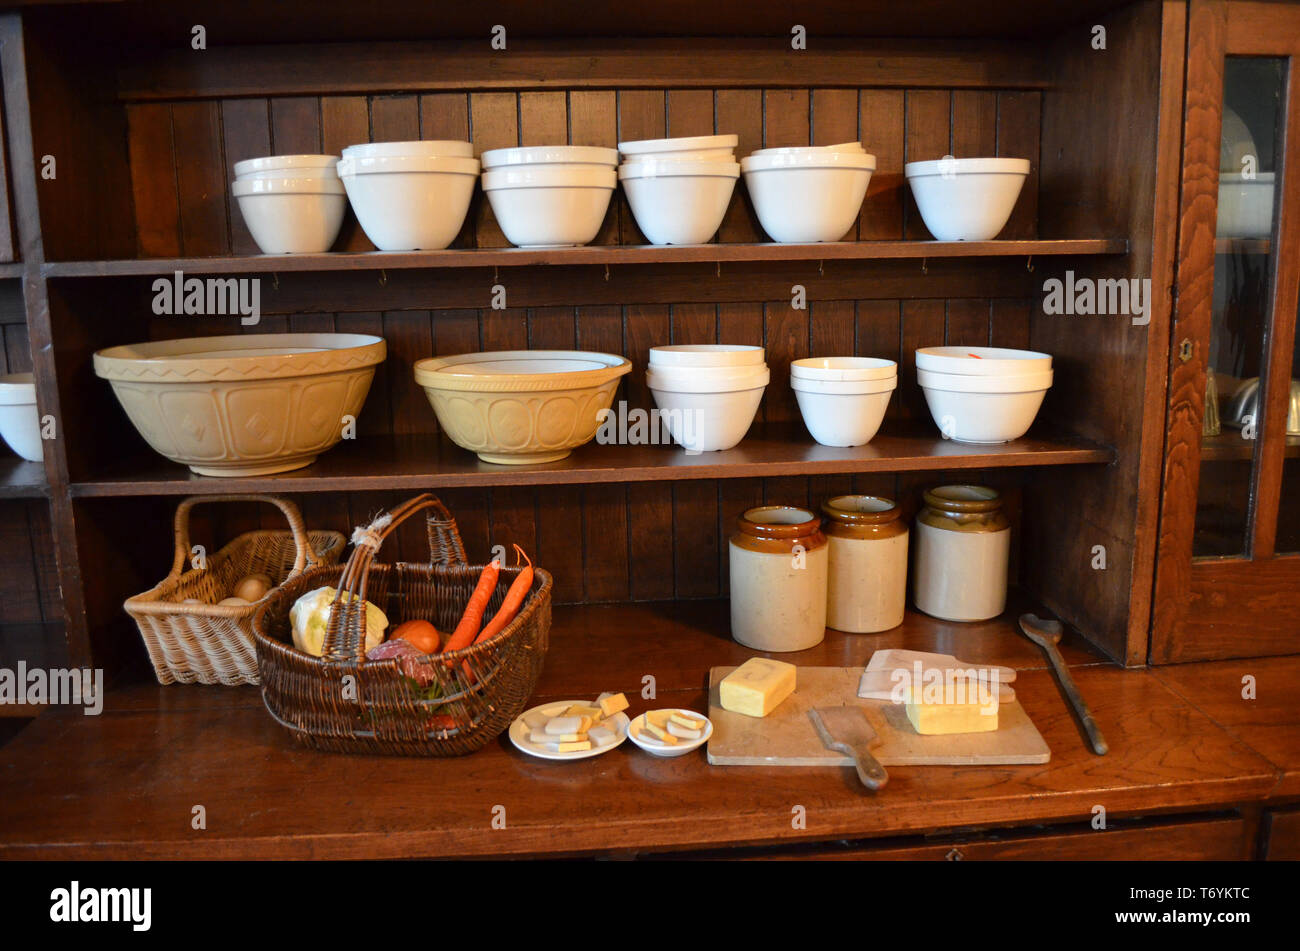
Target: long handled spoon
[(1047, 634)]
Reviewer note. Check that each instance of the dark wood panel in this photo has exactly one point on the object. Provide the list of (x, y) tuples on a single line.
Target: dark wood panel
[(927, 118), (344, 121), (593, 120), (1282, 828), (1095, 173), (287, 69), (200, 178), (881, 125), (157, 208)]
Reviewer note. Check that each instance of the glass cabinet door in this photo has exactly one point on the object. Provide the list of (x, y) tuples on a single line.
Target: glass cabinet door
[(1243, 265), (1228, 558)]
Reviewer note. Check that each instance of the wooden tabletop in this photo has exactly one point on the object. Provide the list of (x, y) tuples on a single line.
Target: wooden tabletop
[(126, 783)]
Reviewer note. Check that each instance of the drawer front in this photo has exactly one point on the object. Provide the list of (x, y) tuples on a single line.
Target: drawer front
[(1212, 839), (1282, 838)]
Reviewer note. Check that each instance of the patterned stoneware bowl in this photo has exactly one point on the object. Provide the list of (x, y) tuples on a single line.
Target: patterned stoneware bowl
[(517, 407), (247, 405)]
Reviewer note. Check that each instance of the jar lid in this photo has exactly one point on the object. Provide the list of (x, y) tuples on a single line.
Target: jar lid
[(861, 509), (963, 498), (779, 522)]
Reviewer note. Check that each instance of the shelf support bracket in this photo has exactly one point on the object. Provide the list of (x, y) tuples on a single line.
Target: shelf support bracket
[(275, 281), (607, 272), (924, 267), (1029, 264), (717, 269), (383, 277), (821, 268)]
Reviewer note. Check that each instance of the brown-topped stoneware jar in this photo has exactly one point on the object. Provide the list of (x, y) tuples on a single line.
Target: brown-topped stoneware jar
[(866, 587), (778, 579), (963, 545)]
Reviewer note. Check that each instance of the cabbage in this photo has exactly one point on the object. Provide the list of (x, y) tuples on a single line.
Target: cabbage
[(311, 613)]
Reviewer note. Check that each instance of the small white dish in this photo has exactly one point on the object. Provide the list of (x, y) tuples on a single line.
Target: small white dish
[(843, 369), (843, 412), (549, 155), (808, 196), (654, 748), (446, 147), (679, 202), (706, 355), (302, 166), (700, 147), (982, 361), (519, 731)]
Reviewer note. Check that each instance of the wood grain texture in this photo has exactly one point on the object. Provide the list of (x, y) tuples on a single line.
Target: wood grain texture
[(1165, 756), (1206, 29)]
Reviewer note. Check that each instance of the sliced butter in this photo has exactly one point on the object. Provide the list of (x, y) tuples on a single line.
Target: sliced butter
[(757, 686), (573, 747)]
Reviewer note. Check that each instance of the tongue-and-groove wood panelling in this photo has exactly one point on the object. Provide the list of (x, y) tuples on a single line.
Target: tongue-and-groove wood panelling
[(182, 153)]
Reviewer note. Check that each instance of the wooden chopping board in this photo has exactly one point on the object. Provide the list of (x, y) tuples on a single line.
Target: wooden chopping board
[(786, 736)]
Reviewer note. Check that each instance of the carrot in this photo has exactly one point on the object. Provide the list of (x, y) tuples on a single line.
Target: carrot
[(463, 636), (513, 601)]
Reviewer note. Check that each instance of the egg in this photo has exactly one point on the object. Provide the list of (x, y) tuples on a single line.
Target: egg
[(233, 602), (252, 588)]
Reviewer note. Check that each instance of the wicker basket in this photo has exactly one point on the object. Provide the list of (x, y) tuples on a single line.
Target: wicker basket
[(344, 703), (211, 643)]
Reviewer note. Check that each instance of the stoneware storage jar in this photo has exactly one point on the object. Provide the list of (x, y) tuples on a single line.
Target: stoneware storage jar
[(778, 579), (963, 541), (866, 586)]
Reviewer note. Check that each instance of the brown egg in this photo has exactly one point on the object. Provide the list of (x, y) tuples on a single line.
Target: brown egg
[(233, 602), (252, 588)]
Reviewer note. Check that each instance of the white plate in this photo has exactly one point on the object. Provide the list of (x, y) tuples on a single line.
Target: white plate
[(519, 731), (683, 747)]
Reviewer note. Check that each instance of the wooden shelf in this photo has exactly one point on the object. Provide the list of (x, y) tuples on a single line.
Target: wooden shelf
[(1242, 246), (426, 462), (597, 255), (20, 479), (1229, 446), (74, 782), (11, 270)]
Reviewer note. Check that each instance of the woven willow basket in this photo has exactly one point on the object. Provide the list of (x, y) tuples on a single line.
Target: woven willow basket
[(210, 643), (343, 703)]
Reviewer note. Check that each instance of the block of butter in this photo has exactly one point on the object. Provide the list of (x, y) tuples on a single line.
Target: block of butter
[(757, 686), (944, 718)]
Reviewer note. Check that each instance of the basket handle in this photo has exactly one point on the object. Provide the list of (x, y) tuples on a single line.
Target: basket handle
[(344, 642), (181, 529)]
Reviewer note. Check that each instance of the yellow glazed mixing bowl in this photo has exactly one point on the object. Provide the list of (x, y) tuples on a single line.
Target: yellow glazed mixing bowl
[(517, 407), (244, 405)]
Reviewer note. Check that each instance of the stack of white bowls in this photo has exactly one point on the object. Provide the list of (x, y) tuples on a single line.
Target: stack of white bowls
[(843, 399), (550, 196), (966, 199), (292, 204), (679, 189), (410, 196), (983, 394), (707, 394), (808, 193)]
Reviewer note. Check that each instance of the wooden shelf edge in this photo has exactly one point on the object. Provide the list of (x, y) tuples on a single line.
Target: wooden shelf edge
[(419, 463), (20, 479), (636, 254)]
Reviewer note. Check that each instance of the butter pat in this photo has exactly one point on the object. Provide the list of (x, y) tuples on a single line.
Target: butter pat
[(757, 686), (931, 719), (575, 747)]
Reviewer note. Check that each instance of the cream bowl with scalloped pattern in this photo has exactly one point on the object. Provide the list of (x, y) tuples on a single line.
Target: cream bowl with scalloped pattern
[(519, 407), (253, 404)]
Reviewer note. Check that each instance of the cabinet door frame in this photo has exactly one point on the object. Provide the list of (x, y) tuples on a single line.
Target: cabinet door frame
[(1240, 606)]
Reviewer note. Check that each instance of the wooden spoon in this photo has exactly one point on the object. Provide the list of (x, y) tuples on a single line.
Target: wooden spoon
[(1047, 634)]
